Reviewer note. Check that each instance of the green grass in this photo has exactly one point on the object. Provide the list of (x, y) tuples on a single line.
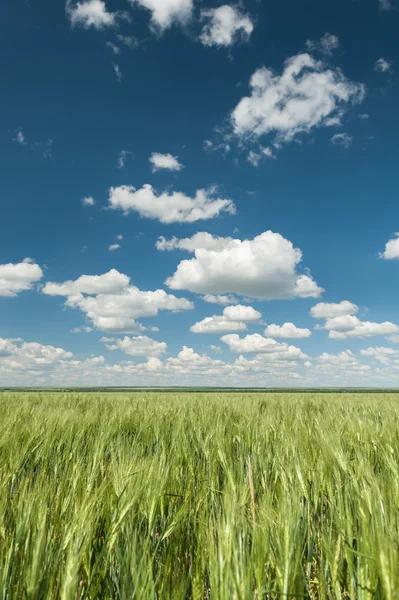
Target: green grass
[(196, 496)]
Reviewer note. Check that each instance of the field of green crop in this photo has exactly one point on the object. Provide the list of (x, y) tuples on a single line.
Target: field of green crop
[(199, 496)]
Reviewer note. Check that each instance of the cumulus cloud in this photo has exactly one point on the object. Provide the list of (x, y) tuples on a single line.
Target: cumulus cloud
[(326, 45), (19, 277), (391, 249), (257, 344), (217, 324), (382, 65), (174, 207), (112, 303), (139, 346), (113, 247), (21, 355), (165, 161), (349, 326), (325, 310), (342, 139), (383, 355), (234, 318), (288, 330), (307, 95), (91, 13), (223, 300), (264, 267), (202, 239), (165, 13), (224, 26)]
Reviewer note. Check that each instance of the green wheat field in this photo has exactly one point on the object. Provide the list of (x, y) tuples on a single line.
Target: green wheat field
[(222, 496)]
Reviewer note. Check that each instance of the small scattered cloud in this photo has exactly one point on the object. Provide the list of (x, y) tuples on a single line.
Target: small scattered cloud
[(138, 346), (382, 65), (391, 251), (91, 13), (225, 26), (164, 161), (115, 49), (326, 45), (118, 72), (119, 236), (216, 299), (113, 247), (127, 40), (123, 157), (326, 310), (20, 137), (342, 139), (165, 13), (88, 201)]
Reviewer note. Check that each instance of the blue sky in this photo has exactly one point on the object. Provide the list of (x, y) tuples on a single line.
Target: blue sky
[(242, 158)]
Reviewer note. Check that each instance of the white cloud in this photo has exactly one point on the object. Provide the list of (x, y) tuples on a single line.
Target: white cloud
[(112, 304), (342, 139), (306, 95), (164, 161), (383, 355), (325, 310), (217, 324), (119, 237), (247, 314), (139, 346), (82, 330), (20, 138), (326, 45), (113, 247), (174, 207), (118, 72), (20, 355), (167, 12), (112, 282), (223, 300), (382, 65), (225, 26), (349, 326), (127, 40), (19, 277), (255, 157), (88, 201), (288, 330), (123, 158), (202, 239), (234, 318), (264, 267), (216, 349), (91, 13), (115, 49), (385, 4), (344, 358), (191, 363), (257, 344), (391, 249)]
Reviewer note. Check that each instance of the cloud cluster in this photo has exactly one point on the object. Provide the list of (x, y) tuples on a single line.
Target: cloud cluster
[(307, 95), (138, 346), (341, 322), (257, 344), (264, 267), (112, 303), (19, 277), (224, 26), (174, 207)]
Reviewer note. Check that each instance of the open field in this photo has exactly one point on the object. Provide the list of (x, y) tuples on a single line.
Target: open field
[(196, 496)]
